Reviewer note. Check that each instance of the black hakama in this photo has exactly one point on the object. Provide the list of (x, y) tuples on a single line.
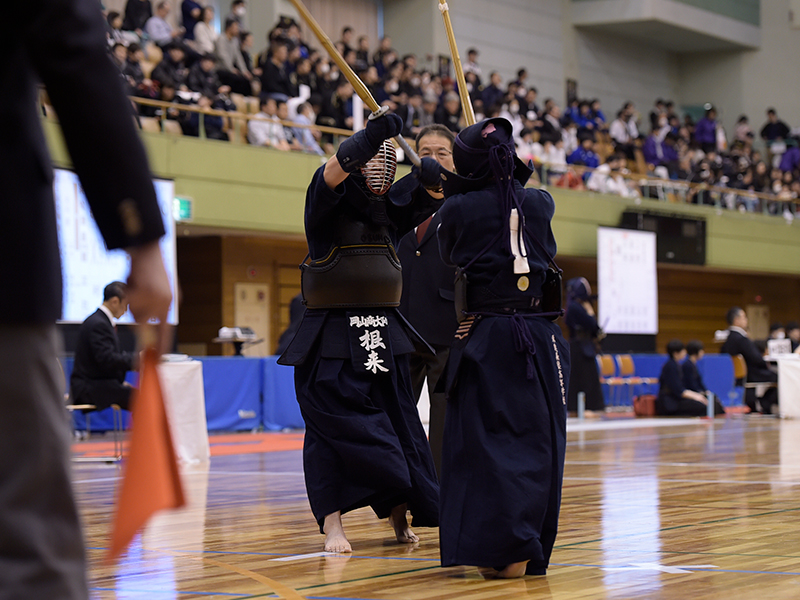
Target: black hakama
[(364, 443), (503, 459)]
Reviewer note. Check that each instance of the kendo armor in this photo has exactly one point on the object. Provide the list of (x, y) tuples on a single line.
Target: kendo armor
[(362, 269)]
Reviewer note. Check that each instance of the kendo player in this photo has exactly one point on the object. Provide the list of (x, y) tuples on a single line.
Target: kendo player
[(506, 379), (364, 443)]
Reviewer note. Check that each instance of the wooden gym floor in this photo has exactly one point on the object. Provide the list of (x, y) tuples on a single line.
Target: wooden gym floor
[(672, 509)]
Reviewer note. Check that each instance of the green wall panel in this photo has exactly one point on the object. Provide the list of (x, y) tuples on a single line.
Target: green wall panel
[(257, 189)]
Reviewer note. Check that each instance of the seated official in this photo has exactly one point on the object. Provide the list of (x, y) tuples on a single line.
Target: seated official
[(757, 368), (692, 380), (98, 376), (674, 400)]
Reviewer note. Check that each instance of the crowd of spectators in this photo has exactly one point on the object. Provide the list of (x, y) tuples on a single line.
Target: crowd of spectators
[(577, 147)]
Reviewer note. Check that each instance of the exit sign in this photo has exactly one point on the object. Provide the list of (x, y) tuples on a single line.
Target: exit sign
[(182, 209)]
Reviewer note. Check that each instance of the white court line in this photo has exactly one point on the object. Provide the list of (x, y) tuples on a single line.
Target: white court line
[(575, 425), (302, 556), (634, 478)]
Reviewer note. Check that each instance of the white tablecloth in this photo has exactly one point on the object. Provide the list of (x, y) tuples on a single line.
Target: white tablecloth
[(789, 387), (182, 385)]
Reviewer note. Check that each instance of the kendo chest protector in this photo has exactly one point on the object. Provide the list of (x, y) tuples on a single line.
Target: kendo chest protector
[(361, 271)]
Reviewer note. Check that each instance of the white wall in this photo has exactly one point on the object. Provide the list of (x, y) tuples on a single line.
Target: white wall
[(616, 70), (511, 34)]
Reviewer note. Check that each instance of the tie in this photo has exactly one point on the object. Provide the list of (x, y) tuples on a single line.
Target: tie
[(422, 228)]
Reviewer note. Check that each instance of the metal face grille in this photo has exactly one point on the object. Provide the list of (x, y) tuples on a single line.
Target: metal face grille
[(379, 172)]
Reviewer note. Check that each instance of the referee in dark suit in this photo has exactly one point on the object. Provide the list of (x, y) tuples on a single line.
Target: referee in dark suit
[(427, 300), (98, 376), (60, 43)]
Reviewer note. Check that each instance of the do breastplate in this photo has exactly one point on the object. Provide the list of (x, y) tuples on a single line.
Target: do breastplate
[(361, 271)]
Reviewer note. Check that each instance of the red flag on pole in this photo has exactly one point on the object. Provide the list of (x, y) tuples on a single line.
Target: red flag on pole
[(150, 481)]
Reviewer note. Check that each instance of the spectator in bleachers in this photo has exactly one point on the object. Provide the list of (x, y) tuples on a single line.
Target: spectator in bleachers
[(692, 380), (429, 105), (585, 155), (597, 115), (528, 106), (203, 77), (215, 125), (309, 138), (550, 129), (620, 132), (166, 93), (246, 42), (658, 116), (132, 71), (674, 399), (116, 33), (362, 53), (757, 370), (137, 12), (608, 179), (742, 131), (527, 149), (410, 114), (705, 132), (238, 11), (793, 333), (774, 129), (384, 48), (449, 112), (204, 35), (119, 56), (790, 160), (471, 64), (267, 131), (231, 69), (337, 109), (275, 80), (159, 29), (282, 113), (492, 94), (172, 67), (191, 13)]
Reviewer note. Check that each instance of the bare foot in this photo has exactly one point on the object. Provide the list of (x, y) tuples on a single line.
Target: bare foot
[(399, 523), (335, 540), (513, 571)]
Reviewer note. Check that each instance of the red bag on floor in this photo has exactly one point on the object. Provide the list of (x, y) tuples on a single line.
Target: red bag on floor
[(644, 405)]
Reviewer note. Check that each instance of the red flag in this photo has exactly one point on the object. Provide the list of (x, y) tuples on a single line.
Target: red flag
[(150, 480)]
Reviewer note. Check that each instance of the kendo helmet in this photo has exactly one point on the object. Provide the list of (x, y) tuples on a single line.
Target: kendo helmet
[(578, 288), (473, 157)]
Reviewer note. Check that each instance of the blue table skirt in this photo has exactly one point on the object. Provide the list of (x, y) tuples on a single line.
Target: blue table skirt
[(243, 394), (715, 369)]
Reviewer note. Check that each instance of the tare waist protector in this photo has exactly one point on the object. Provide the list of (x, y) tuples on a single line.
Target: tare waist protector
[(363, 271)]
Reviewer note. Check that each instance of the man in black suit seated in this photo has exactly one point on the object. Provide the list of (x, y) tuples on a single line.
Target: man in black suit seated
[(98, 376), (757, 368), (427, 300)]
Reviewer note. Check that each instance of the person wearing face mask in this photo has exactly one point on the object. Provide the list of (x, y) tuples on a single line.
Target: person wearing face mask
[(238, 11), (428, 295), (511, 113)]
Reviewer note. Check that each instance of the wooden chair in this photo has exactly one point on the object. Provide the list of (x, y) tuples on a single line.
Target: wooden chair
[(239, 102), (150, 124), (171, 127), (605, 363), (627, 371), (740, 372)]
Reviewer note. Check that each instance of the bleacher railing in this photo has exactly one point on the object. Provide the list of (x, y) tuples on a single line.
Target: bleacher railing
[(547, 174)]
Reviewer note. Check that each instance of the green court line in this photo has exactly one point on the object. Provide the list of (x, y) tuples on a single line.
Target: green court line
[(725, 520)]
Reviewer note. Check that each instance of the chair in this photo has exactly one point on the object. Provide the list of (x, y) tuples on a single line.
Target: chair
[(740, 373), (239, 102), (171, 127), (605, 362), (150, 124), (87, 410), (627, 371)]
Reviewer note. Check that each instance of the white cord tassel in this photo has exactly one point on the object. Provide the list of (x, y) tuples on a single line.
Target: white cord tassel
[(520, 261)]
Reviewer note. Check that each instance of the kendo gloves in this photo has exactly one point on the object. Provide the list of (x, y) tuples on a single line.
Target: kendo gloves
[(358, 149), (428, 172)]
